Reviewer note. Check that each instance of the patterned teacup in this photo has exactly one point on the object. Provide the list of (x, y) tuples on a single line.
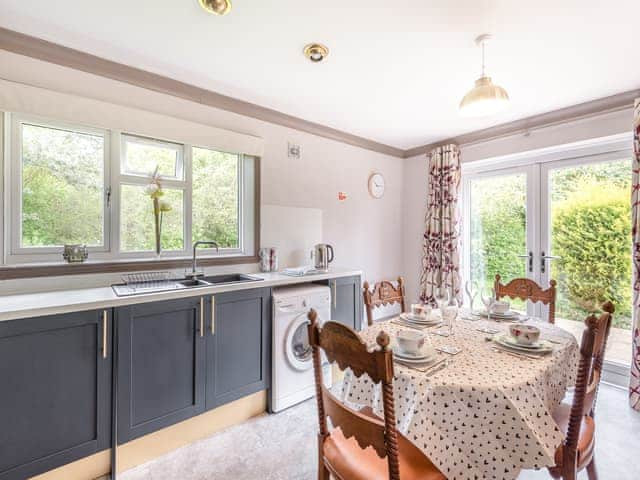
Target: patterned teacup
[(524, 334), (420, 310), (411, 341)]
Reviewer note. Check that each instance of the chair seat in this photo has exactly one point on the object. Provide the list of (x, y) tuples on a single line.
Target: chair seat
[(350, 462), (586, 441)]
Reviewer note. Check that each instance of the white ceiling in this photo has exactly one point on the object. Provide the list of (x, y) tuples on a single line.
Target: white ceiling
[(396, 71)]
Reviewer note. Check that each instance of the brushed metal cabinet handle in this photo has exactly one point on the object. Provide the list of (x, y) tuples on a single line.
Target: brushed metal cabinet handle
[(105, 331), (335, 299), (213, 315), (201, 316)]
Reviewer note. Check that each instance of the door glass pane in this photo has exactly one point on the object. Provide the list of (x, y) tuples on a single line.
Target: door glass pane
[(498, 230), (137, 222), (300, 343), (62, 187), (590, 227)]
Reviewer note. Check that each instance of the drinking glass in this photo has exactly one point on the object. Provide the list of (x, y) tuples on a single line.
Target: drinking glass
[(472, 293), (441, 296), (488, 298), (449, 314)]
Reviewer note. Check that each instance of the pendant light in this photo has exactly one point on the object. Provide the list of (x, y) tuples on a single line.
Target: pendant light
[(217, 7), (484, 98)]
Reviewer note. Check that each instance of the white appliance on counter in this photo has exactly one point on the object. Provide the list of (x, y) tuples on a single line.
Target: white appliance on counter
[(292, 366)]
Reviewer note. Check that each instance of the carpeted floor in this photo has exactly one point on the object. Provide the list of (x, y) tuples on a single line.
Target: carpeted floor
[(283, 447)]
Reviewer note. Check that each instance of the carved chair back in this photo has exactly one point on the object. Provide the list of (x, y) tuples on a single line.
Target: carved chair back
[(601, 336), (527, 289), (383, 293), (343, 345), (592, 349)]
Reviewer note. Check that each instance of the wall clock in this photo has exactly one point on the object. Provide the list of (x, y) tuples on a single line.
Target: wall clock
[(376, 185)]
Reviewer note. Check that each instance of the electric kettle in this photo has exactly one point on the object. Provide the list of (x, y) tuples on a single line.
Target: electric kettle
[(322, 254)]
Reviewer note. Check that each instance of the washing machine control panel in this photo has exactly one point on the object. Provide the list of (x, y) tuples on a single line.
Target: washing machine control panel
[(297, 304)]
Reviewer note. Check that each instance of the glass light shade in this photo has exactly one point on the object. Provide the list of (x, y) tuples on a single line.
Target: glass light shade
[(484, 99), (217, 7)]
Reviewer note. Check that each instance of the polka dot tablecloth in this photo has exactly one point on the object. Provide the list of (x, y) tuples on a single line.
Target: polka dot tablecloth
[(487, 414)]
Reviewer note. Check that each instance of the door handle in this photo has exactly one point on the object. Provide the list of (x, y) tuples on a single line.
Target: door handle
[(213, 315), (201, 316), (530, 262), (543, 263), (105, 331)]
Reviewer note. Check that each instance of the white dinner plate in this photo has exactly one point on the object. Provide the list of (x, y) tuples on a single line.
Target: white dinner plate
[(427, 320), (416, 361), (508, 342), (511, 340), (509, 315), (422, 356)]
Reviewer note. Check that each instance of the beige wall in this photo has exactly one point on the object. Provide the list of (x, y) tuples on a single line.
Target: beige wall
[(366, 233), (415, 173)]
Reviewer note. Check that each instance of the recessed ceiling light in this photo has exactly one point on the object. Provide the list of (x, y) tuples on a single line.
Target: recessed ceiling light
[(217, 7), (316, 52)]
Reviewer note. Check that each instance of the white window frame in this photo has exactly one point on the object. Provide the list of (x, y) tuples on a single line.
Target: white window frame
[(13, 172), (179, 148), (137, 179), (114, 177), (245, 199)]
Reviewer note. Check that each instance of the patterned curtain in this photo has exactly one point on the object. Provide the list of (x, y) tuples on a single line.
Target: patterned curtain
[(634, 388), (441, 240)]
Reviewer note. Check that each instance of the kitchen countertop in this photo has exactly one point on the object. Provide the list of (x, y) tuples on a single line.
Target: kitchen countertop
[(64, 301)]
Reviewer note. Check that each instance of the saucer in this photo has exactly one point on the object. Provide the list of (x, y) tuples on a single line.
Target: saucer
[(420, 320), (423, 356), (508, 315), (508, 341), (416, 361)]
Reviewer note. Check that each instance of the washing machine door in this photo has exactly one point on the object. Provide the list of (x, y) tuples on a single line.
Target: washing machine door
[(296, 344)]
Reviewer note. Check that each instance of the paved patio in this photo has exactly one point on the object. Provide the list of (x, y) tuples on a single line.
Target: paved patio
[(618, 346)]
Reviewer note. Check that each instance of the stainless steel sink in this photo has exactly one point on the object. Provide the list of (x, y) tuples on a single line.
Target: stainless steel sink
[(139, 288), (193, 283), (229, 278)]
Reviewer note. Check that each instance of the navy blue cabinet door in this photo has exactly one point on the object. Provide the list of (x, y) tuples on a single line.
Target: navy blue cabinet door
[(346, 301), (55, 391), (160, 368), (238, 345)]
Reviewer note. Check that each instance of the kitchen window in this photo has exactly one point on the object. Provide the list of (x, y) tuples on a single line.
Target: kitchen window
[(140, 158), (60, 177), (73, 184), (216, 180)]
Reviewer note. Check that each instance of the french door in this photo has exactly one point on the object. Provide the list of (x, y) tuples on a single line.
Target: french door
[(566, 219)]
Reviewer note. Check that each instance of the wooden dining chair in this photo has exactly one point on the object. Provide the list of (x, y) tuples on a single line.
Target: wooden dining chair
[(356, 447), (527, 289), (383, 293), (577, 420)]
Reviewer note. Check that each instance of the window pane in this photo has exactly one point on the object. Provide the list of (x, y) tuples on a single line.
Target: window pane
[(591, 235), (137, 230), (215, 197), (62, 187), (498, 230), (143, 156)]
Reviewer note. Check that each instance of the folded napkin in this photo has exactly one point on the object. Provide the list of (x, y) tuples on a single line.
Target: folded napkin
[(299, 271)]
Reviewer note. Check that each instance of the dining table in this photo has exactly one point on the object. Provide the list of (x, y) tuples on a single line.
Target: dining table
[(484, 412)]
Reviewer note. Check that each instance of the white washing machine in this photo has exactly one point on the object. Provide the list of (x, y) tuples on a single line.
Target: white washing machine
[(292, 378)]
